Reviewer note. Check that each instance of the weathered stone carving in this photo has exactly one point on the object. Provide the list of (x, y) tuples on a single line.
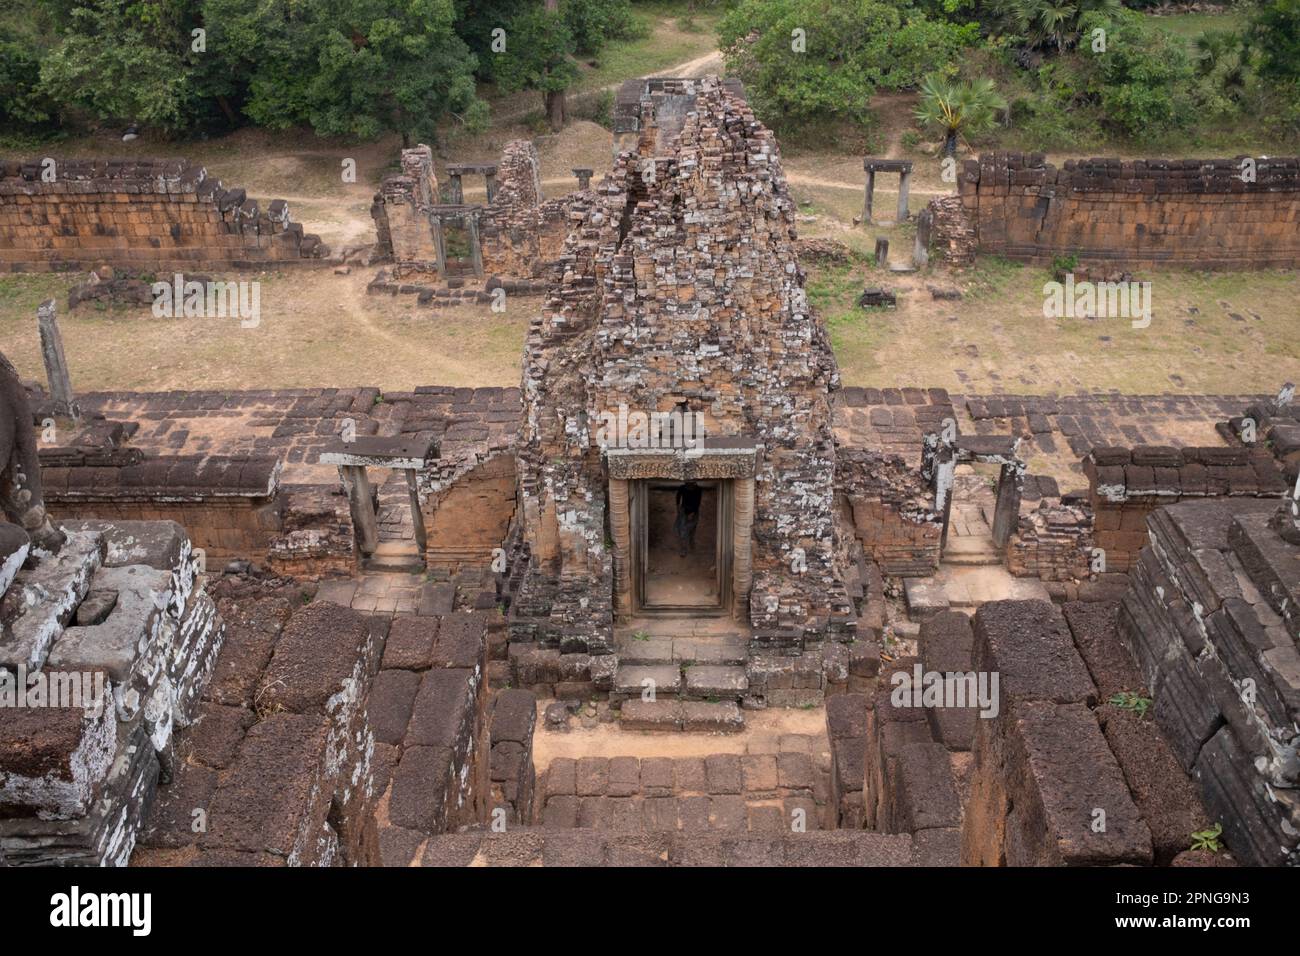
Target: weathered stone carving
[(20, 480)]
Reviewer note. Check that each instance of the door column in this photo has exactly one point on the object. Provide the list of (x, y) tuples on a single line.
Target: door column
[(742, 526), (621, 531)]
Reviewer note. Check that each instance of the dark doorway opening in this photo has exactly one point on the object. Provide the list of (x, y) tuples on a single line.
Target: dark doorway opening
[(684, 565)]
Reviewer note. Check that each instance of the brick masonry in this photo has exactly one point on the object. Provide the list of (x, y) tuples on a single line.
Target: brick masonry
[(142, 216), (1140, 214)]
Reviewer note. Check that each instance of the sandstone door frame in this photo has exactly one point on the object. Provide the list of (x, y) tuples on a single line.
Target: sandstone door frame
[(733, 463), (724, 542), (353, 458)]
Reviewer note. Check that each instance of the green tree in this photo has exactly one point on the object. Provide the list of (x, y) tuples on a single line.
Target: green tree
[(811, 59), (124, 62), (22, 102), (1274, 33), (958, 109), (1052, 25), (1144, 81), (538, 56), (593, 23)]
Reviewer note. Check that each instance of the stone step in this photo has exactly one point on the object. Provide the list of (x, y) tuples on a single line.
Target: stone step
[(395, 556), (973, 560), (688, 716), (715, 680), (925, 597), (682, 650), (631, 680), (969, 544)]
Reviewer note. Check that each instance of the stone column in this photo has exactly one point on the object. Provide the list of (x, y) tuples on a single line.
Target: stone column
[(455, 194), (439, 244), (584, 176), (904, 183), (620, 529), (866, 203), (491, 180), (882, 252), (1006, 513), (364, 528), (742, 528), (921, 248), (56, 365), (475, 244), (417, 516)]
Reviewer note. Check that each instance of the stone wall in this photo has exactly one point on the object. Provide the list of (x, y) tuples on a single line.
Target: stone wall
[(1211, 620), (122, 601), (1126, 485), (892, 510), (401, 213), (282, 763), (142, 216), (1062, 775), (1141, 214), (469, 518), (1053, 540), (229, 505), (521, 233)]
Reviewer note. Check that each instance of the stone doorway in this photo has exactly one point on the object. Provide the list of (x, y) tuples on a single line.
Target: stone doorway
[(676, 575)]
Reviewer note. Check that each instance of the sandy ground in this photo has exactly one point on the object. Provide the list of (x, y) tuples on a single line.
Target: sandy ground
[(610, 740)]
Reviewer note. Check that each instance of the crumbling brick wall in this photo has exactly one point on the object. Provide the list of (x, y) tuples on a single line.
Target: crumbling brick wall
[(401, 212), (1053, 539), (147, 215), (893, 511), (687, 256), (1140, 214), (469, 518), (1126, 485)]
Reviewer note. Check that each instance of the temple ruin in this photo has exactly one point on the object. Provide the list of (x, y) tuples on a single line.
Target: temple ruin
[(904, 627)]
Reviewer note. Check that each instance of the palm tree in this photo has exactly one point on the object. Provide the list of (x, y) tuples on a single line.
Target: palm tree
[(1049, 24), (959, 109)]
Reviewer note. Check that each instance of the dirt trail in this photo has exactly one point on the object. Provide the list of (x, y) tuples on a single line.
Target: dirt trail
[(699, 66)]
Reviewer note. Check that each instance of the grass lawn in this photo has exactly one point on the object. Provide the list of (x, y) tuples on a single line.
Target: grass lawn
[(1216, 333)]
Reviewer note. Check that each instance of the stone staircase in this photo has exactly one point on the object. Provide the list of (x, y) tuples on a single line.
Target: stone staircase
[(974, 550), (395, 557), (677, 679)]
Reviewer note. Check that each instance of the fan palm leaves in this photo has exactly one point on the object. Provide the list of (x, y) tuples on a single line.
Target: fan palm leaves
[(959, 109)]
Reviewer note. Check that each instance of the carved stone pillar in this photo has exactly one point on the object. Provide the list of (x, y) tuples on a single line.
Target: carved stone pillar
[(866, 203), (620, 529), (742, 526)]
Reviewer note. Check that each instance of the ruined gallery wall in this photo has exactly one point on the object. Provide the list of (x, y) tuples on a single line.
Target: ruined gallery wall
[(471, 518), (230, 506), (1192, 213), (149, 215), (520, 232), (1126, 485)]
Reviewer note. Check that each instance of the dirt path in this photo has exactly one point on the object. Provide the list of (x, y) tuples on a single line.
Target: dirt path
[(699, 66)]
